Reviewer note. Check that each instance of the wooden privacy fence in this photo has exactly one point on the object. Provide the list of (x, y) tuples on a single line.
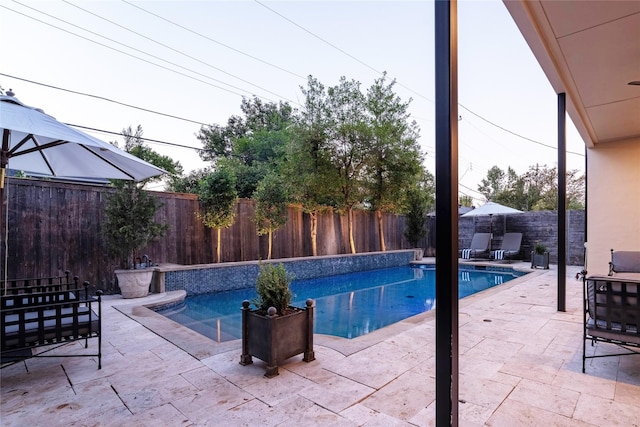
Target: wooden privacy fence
[(56, 226)]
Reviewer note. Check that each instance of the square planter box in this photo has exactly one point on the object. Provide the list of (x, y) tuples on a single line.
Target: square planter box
[(274, 339), (540, 260)]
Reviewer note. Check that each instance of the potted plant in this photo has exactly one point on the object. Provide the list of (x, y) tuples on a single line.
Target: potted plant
[(275, 330), (540, 256), (129, 226)]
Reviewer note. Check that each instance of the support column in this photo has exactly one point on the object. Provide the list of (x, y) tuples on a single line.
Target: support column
[(446, 79), (562, 202)]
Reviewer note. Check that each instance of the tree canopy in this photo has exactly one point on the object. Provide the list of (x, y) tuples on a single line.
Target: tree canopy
[(217, 194), (536, 189)]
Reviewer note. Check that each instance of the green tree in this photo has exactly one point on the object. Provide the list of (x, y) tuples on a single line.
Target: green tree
[(134, 144), (575, 190), (465, 200), (349, 138), (536, 189), (189, 183), (130, 212), (419, 200), (271, 199), (130, 222), (305, 163), (250, 144), (394, 162), (218, 196)]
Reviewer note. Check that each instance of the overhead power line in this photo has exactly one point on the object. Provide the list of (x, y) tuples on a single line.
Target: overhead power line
[(180, 52), (517, 134), (399, 83), (102, 98), (136, 50), (127, 54), (142, 138), (213, 40)]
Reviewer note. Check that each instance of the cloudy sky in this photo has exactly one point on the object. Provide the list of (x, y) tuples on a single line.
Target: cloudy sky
[(196, 60)]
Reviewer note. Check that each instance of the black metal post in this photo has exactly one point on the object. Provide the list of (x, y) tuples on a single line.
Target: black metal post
[(586, 217), (309, 354), (562, 202), (245, 357), (446, 79)]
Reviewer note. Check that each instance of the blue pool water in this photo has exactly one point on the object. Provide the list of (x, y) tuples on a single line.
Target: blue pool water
[(347, 305)]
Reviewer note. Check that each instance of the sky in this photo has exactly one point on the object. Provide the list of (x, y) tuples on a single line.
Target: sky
[(195, 60)]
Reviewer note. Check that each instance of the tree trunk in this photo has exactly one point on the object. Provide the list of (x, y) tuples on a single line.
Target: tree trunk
[(270, 243), (219, 230), (313, 216), (383, 247), (350, 228)]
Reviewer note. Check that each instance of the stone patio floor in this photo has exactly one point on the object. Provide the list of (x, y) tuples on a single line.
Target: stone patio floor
[(520, 365)]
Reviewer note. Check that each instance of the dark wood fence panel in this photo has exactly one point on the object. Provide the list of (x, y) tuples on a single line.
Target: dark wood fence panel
[(55, 226)]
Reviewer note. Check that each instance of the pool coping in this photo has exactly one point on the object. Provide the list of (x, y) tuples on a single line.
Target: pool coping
[(202, 347)]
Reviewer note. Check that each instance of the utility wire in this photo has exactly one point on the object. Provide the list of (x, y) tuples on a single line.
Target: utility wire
[(174, 50), (400, 84), (318, 37), (518, 135), (142, 138), (128, 54), (102, 98), (337, 48), (213, 40), (127, 46)]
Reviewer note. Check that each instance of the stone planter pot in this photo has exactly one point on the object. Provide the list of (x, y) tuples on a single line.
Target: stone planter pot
[(273, 339), (540, 260), (134, 283)]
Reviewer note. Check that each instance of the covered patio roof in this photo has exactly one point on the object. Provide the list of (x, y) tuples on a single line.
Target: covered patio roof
[(589, 50)]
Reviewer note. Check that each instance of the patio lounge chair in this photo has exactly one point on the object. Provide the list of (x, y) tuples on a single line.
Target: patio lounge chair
[(509, 248), (479, 246)]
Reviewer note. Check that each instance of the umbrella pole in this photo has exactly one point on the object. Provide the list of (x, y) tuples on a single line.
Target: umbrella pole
[(490, 234), (4, 161)]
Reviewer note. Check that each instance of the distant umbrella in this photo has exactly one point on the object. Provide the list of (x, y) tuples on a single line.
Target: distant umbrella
[(491, 209)]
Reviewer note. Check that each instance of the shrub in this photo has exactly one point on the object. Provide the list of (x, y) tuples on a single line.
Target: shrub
[(540, 249), (273, 289)]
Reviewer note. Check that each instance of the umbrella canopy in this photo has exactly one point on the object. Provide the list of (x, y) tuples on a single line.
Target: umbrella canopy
[(35, 142), (492, 208)]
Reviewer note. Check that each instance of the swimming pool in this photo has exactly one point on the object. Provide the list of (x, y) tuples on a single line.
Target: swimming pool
[(347, 305)]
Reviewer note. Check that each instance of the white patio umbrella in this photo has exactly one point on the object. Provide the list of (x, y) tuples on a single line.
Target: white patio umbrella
[(35, 142), (491, 209)]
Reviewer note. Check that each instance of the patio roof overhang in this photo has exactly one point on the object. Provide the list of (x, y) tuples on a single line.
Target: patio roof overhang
[(589, 50)]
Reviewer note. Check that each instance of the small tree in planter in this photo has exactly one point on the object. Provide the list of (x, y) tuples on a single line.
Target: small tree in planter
[(129, 226), (130, 215), (275, 331), (540, 256)]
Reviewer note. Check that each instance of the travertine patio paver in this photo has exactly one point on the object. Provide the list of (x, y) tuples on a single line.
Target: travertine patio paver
[(520, 364)]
